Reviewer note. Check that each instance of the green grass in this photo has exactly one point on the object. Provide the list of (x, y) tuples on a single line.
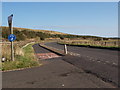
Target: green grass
[(28, 60), (89, 45)]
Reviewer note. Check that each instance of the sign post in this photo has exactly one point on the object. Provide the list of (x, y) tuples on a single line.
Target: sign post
[(11, 31)]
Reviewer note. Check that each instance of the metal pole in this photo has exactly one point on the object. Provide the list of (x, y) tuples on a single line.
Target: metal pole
[(12, 49), (65, 49), (11, 31)]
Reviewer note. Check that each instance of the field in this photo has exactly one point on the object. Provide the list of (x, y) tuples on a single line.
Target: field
[(101, 43)]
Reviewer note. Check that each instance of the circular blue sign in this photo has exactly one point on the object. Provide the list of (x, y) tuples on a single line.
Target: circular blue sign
[(11, 37)]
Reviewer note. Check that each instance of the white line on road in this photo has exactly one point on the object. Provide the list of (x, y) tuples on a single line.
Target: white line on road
[(107, 62), (99, 61), (27, 44), (114, 63)]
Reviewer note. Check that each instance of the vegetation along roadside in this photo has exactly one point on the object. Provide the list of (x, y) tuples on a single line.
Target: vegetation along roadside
[(103, 44), (25, 60)]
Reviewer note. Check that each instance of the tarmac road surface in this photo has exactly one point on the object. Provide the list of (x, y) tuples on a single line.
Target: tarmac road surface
[(100, 62), (54, 73), (101, 55)]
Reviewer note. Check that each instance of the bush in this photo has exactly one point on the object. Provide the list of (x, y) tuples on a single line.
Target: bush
[(42, 38), (62, 38), (97, 39)]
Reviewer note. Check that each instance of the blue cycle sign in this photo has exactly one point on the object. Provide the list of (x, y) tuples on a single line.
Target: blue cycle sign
[(11, 37)]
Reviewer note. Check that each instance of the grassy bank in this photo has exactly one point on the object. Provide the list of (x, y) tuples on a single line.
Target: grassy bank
[(22, 61), (91, 44)]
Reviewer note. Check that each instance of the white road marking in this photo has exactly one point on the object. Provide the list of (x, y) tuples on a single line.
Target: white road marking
[(114, 63), (107, 61), (27, 44), (98, 61)]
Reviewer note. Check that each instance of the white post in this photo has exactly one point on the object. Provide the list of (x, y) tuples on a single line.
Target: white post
[(65, 49)]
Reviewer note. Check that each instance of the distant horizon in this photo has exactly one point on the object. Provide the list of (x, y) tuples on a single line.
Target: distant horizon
[(68, 33)]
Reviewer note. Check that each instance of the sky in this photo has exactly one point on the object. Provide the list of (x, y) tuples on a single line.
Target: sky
[(80, 18)]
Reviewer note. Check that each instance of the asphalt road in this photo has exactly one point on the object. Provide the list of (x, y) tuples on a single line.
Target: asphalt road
[(54, 73), (39, 49), (102, 55), (100, 62)]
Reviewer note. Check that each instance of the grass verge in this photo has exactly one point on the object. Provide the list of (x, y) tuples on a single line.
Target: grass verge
[(28, 60), (92, 46)]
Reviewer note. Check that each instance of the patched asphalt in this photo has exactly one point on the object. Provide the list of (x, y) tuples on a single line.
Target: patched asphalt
[(100, 62), (102, 55), (39, 49), (53, 73)]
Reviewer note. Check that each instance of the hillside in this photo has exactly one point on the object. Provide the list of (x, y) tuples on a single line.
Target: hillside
[(25, 33), (37, 30)]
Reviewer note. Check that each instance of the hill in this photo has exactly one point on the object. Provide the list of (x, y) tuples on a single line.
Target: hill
[(25, 33), (37, 30)]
